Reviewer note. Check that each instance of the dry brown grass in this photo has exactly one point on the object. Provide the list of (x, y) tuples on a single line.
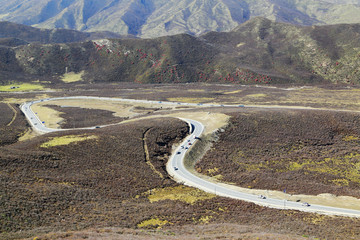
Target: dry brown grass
[(294, 147), (12, 124), (96, 175), (186, 232), (48, 115)]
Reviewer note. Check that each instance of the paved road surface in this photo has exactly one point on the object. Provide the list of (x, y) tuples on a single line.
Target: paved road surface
[(176, 167)]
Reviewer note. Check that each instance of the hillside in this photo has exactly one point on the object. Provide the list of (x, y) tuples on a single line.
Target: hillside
[(315, 148), (153, 18), (14, 31), (111, 182), (259, 51)]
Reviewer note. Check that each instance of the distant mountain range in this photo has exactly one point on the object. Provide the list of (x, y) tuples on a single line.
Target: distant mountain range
[(259, 51), (11, 33), (153, 18)]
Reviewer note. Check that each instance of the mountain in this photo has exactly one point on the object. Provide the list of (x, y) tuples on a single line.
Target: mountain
[(259, 51), (153, 18), (11, 33)]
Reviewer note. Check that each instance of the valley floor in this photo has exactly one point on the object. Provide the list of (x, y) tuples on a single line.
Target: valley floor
[(104, 181)]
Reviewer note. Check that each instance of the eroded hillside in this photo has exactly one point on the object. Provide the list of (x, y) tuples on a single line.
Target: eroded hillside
[(153, 18), (257, 52)]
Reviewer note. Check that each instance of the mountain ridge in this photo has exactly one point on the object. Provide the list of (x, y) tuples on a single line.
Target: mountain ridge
[(154, 18), (259, 51), (31, 34)]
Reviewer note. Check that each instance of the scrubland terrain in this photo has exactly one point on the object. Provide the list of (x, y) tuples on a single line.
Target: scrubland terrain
[(81, 117), (259, 51), (12, 125), (294, 126), (304, 152), (111, 182)]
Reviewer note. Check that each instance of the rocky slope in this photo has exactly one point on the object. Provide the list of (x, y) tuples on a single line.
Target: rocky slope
[(153, 18), (259, 51), (14, 32)]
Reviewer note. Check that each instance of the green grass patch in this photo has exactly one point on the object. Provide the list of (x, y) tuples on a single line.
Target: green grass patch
[(72, 77), (23, 87), (181, 193), (153, 222), (203, 219), (350, 138), (233, 92), (65, 140), (346, 168)]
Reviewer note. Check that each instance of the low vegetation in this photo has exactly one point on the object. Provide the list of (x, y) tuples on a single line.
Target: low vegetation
[(180, 193), (66, 140), (152, 223), (22, 87), (18, 34), (12, 124), (80, 181), (270, 53), (72, 77), (77, 117), (307, 152), (107, 181)]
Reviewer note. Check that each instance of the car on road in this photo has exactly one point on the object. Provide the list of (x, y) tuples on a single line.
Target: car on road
[(178, 153), (305, 204), (262, 197), (175, 168), (97, 127)]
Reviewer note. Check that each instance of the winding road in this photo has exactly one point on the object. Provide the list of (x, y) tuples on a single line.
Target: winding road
[(39, 126), (178, 171)]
